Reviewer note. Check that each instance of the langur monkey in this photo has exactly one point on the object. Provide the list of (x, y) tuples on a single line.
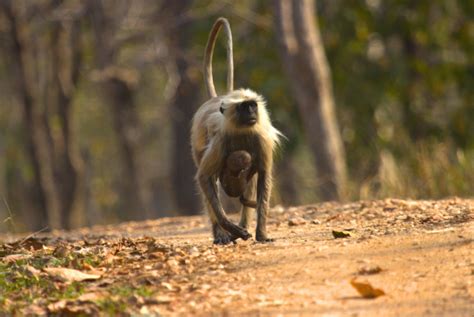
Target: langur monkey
[(232, 142)]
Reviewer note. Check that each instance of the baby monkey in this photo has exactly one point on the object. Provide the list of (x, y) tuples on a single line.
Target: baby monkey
[(232, 142), (236, 175)]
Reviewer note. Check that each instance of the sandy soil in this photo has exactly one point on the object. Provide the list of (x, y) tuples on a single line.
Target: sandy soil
[(420, 253)]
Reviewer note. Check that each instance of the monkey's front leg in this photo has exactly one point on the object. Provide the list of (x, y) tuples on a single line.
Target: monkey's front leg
[(216, 212), (264, 185)]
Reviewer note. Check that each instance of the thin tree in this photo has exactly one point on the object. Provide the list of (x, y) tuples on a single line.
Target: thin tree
[(46, 99), (15, 49), (306, 66), (184, 102), (118, 90)]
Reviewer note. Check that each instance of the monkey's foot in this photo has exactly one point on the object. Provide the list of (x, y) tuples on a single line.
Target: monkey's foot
[(244, 224), (264, 239)]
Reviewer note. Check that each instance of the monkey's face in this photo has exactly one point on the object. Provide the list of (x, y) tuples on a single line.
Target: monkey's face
[(247, 113), (244, 114)]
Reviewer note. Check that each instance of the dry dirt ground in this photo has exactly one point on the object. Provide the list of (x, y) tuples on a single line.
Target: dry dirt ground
[(419, 253)]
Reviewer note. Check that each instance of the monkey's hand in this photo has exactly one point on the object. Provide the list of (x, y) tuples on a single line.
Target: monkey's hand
[(235, 230), (216, 212)]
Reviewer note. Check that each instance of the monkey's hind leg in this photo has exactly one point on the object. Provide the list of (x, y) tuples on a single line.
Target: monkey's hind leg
[(249, 194), (263, 200)]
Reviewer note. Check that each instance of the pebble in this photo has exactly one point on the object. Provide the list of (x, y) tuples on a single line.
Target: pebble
[(296, 221)]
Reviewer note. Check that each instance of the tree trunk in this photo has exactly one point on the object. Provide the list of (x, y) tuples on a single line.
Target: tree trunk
[(17, 54), (92, 214), (287, 183), (66, 60), (288, 178), (183, 107), (119, 94), (184, 104), (306, 65), (55, 175), (120, 98)]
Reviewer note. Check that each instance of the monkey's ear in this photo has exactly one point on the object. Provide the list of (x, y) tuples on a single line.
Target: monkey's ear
[(221, 110)]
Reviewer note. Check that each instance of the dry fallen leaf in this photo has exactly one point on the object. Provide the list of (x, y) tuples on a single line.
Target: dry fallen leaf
[(60, 251), (35, 310), (30, 243), (366, 290), (87, 266), (340, 234), (57, 306), (70, 275), (91, 297), (15, 257), (31, 271), (72, 308), (168, 286), (159, 299)]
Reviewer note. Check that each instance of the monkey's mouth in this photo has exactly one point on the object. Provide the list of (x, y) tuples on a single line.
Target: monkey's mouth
[(246, 121), (250, 122)]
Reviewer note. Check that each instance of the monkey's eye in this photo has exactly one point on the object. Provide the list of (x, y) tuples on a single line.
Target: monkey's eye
[(249, 105), (221, 110)]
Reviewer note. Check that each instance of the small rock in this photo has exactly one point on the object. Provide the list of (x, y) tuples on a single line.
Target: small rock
[(296, 221), (403, 217), (278, 209), (168, 286), (369, 270), (194, 252), (144, 311), (172, 263), (206, 286)]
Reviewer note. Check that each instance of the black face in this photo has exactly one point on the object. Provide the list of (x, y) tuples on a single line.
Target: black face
[(247, 113)]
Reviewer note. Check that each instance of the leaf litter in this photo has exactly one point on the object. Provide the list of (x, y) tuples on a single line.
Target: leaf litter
[(122, 270)]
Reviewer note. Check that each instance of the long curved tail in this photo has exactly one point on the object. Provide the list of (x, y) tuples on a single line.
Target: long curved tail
[(208, 78)]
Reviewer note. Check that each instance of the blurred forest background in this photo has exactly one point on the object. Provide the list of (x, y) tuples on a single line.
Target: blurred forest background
[(375, 97)]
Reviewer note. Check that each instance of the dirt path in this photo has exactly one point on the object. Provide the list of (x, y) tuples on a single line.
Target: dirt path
[(420, 253)]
